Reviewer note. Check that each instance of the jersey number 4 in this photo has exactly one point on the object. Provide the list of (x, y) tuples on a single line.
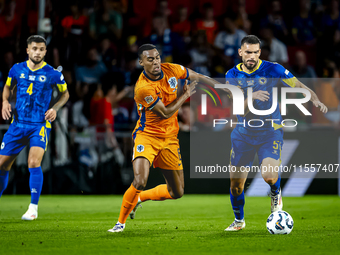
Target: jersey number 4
[(30, 89)]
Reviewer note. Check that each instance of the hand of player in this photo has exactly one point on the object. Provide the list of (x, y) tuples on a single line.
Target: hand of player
[(323, 108), (190, 89), (6, 110), (50, 115), (261, 95)]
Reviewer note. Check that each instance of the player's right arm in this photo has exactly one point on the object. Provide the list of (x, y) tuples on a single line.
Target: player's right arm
[(167, 111), (6, 106)]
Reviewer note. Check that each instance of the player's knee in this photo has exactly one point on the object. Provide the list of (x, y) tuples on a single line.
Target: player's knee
[(270, 180), (4, 165), (177, 193), (139, 183), (33, 162), (236, 190)]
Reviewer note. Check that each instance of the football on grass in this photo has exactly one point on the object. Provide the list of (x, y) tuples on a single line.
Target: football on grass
[(280, 223)]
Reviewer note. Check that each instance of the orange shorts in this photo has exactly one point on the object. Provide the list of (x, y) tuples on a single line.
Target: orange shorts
[(162, 152)]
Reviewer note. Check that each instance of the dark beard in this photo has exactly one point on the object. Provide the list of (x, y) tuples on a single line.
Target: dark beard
[(36, 62), (251, 68)]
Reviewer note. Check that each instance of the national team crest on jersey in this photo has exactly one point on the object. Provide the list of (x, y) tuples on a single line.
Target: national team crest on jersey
[(140, 148), (262, 80), (172, 82), (2, 145), (148, 99), (250, 82), (42, 78)]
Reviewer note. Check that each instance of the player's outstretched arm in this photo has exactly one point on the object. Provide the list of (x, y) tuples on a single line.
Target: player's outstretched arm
[(51, 114), (6, 106), (167, 111), (193, 76), (314, 98)]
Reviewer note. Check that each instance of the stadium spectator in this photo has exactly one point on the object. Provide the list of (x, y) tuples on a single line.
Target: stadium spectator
[(182, 25), (10, 26), (331, 18), (108, 53), (274, 20), (105, 21), (278, 51), (303, 29), (228, 41), (242, 22), (300, 69), (208, 23), (169, 44), (92, 71), (201, 54)]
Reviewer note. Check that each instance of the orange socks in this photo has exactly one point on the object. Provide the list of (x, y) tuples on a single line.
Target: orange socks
[(158, 193), (130, 200)]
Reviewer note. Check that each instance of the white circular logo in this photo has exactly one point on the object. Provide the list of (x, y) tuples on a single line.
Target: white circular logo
[(2, 145), (262, 80), (140, 148), (42, 78)]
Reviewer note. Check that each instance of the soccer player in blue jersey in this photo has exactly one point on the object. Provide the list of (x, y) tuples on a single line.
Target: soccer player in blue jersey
[(266, 140), (32, 81)]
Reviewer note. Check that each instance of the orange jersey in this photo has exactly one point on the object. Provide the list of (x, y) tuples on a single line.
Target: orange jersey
[(147, 94)]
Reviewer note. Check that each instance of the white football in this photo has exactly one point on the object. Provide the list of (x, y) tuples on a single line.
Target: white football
[(280, 223)]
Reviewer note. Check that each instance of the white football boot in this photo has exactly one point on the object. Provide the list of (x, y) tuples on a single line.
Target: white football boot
[(119, 227), (32, 213), (133, 212), (236, 226), (276, 201)]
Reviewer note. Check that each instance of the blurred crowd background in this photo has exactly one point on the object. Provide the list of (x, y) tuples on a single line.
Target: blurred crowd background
[(95, 42)]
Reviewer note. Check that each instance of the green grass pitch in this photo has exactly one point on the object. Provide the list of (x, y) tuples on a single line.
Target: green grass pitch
[(193, 224)]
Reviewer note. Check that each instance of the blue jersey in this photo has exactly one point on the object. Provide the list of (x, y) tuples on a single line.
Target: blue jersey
[(266, 76), (33, 91)]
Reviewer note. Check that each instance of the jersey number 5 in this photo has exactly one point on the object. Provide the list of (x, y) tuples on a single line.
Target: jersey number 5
[(30, 89)]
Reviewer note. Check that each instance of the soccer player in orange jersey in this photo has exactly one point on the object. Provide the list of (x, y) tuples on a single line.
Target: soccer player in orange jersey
[(155, 135)]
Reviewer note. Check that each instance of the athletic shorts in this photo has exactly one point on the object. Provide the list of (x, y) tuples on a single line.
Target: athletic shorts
[(19, 135), (244, 147), (162, 152)]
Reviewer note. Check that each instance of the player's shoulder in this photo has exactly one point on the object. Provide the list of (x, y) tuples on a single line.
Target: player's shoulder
[(171, 67), (272, 65), (142, 83), (19, 66), (232, 72)]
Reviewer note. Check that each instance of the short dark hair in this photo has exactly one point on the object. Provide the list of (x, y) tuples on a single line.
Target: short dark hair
[(251, 39), (36, 39), (144, 47)]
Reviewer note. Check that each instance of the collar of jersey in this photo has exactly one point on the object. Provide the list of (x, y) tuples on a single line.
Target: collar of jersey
[(258, 66), (44, 63), (161, 77)]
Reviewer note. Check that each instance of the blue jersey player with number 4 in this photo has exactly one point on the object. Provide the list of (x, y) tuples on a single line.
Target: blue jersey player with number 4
[(32, 82), (251, 137)]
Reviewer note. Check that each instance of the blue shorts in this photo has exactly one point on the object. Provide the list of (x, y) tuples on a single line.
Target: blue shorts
[(19, 135), (244, 147)]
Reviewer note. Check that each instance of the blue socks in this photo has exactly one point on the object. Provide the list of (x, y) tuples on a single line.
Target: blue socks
[(237, 203), (3, 180), (36, 182), (275, 187)]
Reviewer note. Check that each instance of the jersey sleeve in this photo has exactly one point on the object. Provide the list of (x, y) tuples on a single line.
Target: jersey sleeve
[(147, 97), (58, 80), (180, 71), (11, 76), (288, 79), (230, 78)]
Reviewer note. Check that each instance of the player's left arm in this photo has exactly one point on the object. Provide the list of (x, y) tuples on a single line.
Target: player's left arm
[(193, 76), (58, 80), (314, 98), (51, 114)]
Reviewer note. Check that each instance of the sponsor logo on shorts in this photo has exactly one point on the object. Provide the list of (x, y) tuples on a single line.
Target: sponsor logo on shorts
[(149, 99), (140, 148), (2, 145)]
